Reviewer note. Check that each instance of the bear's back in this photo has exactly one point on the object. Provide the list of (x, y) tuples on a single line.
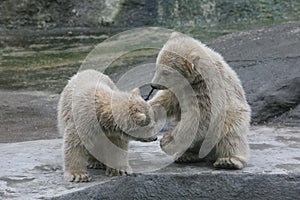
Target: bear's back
[(79, 96)]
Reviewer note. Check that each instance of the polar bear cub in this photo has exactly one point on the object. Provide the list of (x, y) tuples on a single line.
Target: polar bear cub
[(219, 110), (97, 121)]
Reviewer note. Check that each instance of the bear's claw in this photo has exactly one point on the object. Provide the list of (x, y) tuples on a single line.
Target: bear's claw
[(229, 163), (117, 172), (78, 176)]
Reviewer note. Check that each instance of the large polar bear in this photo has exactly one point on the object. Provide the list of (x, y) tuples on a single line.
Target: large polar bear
[(91, 105), (216, 117)]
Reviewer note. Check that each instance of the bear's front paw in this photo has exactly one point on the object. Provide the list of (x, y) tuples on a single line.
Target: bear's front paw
[(118, 172), (229, 163), (77, 176), (167, 144)]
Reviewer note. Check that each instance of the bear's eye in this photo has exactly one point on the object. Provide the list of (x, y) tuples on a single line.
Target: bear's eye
[(136, 110)]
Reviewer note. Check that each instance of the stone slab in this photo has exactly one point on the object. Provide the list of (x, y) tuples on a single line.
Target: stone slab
[(33, 170)]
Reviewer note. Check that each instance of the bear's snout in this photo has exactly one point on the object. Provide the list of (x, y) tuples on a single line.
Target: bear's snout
[(158, 86)]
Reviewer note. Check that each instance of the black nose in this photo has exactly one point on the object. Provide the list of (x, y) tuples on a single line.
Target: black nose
[(154, 86), (158, 87)]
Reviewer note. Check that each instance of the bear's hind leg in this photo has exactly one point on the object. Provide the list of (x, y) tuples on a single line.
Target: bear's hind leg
[(75, 158), (232, 151)]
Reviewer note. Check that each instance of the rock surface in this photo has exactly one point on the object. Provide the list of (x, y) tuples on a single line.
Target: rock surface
[(267, 61), (33, 170), (27, 116)]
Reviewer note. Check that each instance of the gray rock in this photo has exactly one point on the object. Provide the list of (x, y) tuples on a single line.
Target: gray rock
[(274, 102), (33, 170), (267, 60), (27, 116)]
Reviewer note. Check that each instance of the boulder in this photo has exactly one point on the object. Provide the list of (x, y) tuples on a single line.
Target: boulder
[(267, 61)]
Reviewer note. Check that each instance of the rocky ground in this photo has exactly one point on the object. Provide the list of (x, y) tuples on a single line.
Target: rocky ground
[(33, 170)]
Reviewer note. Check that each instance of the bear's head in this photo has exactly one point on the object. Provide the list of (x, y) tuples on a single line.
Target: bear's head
[(139, 109), (136, 120), (176, 62)]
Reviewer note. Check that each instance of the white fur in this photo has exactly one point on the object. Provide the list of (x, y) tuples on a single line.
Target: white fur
[(89, 106), (222, 110)]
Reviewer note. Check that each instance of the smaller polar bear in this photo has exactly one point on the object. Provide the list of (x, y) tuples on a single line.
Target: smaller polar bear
[(210, 105), (91, 105)]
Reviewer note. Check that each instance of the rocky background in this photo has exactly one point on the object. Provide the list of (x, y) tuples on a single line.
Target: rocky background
[(57, 17), (127, 13), (43, 43), (267, 61)]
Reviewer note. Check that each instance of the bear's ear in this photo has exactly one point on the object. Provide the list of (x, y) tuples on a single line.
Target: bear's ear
[(136, 91), (192, 61), (190, 66), (174, 35)]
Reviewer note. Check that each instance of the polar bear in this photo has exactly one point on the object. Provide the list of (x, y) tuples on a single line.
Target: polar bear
[(91, 105), (217, 120)]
